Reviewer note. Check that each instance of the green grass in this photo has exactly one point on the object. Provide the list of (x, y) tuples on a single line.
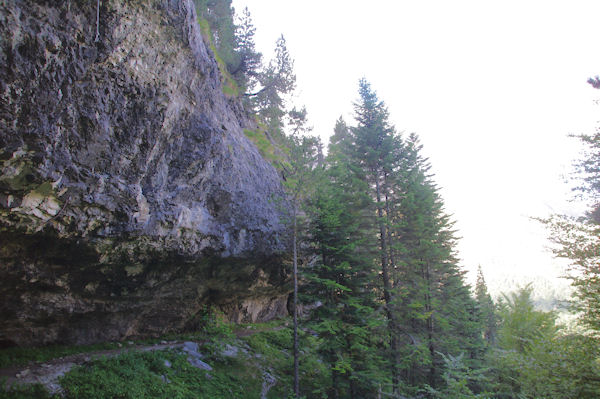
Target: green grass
[(145, 375)]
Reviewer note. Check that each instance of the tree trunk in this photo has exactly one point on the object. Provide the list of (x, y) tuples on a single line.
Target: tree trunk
[(387, 287), (430, 326), (394, 279), (295, 250), (334, 383)]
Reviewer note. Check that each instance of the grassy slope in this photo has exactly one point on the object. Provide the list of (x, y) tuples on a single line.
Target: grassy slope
[(262, 351)]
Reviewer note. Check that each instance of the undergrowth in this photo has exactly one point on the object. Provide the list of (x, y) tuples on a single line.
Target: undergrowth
[(160, 374), (35, 391)]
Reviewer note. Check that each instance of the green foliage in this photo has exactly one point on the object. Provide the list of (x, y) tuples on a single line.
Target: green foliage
[(539, 361), (35, 391), (533, 359), (250, 60), (146, 375), (273, 344), (274, 347), (276, 81), (521, 324), (578, 240), (458, 378), (486, 309), (343, 240)]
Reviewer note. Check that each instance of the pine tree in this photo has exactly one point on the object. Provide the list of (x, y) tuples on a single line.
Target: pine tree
[(345, 275), (246, 72), (486, 309), (432, 302), (301, 164), (276, 81), (428, 307), (578, 239), (373, 141)]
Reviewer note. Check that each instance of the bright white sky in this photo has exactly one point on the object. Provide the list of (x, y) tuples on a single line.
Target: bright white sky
[(493, 88)]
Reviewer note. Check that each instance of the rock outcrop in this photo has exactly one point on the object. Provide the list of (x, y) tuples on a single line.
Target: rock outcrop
[(129, 196)]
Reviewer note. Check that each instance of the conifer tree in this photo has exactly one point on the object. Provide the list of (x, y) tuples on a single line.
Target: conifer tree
[(486, 309), (300, 168), (345, 275), (578, 239), (275, 82), (431, 301), (247, 70), (373, 139)]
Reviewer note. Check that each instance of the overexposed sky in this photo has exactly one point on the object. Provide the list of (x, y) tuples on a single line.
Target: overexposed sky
[(493, 88)]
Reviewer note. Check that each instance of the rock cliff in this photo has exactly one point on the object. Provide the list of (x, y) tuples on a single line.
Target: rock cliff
[(129, 196)]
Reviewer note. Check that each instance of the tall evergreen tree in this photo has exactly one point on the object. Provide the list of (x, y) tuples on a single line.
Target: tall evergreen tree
[(247, 70), (435, 301), (428, 307), (345, 276), (373, 139), (486, 309), (275, 82), (299, 183), (578, 239)]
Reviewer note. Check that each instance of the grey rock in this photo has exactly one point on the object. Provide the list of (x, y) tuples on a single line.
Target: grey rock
[(191, 348), (268, 382), (230, 351), (196, 362), (130, 197), (194, 356), (23, 373)]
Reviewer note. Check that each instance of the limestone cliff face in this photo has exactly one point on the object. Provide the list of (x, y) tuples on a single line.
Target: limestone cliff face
[(129, 195)]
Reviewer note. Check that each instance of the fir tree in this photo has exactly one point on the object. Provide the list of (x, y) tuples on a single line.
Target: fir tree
[(299, 183), (247, 70), (344, 277), (373, 140), (486, 309)]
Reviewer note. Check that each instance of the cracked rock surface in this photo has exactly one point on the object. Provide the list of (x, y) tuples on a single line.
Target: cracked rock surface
[(130, 197)]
